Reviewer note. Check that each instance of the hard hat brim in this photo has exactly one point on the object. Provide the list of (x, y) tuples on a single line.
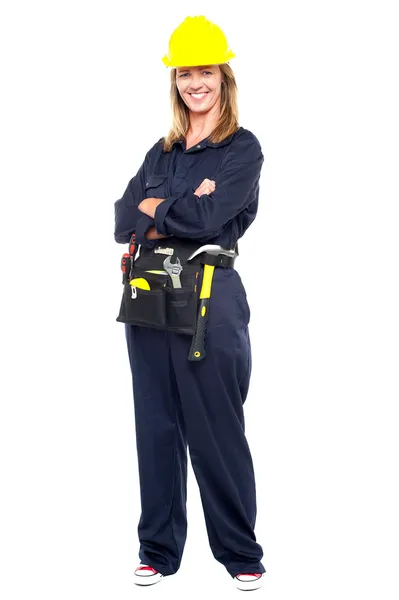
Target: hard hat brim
[(204, 61)]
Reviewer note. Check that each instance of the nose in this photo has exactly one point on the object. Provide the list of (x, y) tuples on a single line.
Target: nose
[(196, 83)]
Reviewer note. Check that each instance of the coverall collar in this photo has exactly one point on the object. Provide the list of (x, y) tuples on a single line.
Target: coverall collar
[(206, 143)]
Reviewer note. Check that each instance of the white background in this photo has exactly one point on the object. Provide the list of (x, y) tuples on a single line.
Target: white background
[(84, 96)]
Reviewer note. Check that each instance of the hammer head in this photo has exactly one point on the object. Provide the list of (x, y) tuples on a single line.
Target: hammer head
[(215, 252)]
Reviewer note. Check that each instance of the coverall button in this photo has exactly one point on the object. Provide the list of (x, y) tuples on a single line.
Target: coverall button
[(199, 146)]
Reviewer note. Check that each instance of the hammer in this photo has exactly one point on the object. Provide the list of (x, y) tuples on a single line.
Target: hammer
[(197, 350)]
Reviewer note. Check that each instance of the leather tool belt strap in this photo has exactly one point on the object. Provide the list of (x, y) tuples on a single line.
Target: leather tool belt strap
[(164, 295), (221, 260)]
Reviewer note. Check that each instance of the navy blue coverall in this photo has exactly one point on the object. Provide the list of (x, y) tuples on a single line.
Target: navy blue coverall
[(178, 402)]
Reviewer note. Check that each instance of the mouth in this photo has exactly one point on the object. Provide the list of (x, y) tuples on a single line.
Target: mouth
[(199, 96)]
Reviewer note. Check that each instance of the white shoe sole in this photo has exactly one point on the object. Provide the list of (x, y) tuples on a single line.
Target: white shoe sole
[(255, 584), (146, 579)]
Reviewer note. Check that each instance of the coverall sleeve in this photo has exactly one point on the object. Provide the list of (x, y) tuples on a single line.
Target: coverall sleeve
[(143, 225), (237, 186), (126, 212)]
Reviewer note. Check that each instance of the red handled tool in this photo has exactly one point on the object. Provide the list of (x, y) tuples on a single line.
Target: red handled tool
[(125, 266), (132, 251), (132, 245)]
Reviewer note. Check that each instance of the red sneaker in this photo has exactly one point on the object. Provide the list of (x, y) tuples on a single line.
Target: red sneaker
[(248, 581), (146, 575)]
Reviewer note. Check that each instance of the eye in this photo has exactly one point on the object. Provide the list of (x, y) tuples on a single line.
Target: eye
[(207, 72)]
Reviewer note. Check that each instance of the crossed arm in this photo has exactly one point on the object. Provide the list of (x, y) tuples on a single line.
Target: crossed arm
[(148, 206), (201, 215)]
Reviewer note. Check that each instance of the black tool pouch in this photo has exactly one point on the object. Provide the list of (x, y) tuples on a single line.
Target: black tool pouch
[(163, 306)]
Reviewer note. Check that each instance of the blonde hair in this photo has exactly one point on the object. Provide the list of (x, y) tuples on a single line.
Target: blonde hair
[(228, 120)]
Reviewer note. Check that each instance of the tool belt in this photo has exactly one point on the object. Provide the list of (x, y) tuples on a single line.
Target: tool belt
[(165, 306)]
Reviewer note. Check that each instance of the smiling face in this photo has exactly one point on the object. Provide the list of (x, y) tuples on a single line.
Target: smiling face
[(199, 87)]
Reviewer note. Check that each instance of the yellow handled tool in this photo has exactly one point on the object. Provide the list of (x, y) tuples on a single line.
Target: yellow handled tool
[(141, 283), (197, 350)]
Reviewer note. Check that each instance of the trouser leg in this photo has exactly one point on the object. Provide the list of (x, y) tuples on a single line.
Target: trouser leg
[(161, 450), (213, 392)]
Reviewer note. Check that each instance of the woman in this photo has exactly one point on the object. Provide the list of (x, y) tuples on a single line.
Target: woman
[(200, 183)]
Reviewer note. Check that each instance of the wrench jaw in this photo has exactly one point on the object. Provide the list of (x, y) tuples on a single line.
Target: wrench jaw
[(174, 270)]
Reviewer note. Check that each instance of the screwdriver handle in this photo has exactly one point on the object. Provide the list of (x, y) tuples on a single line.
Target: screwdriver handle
[(132, 245), (132, 251), (125, 266)]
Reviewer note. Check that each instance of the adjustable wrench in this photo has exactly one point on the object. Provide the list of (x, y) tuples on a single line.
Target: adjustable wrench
[(174, 270)]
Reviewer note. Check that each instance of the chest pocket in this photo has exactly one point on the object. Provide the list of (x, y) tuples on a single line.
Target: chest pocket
[(156, 186)]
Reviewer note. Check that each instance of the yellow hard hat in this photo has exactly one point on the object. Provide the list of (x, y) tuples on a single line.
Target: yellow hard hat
[(195, 42)]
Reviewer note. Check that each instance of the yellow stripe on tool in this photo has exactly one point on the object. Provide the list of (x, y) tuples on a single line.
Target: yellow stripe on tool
[(207, 281)]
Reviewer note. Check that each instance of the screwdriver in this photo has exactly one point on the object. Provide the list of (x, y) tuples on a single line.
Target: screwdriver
[(132, 244), (125, 266)]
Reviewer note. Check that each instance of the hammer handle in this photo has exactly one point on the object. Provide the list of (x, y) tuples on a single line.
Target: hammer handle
[(197, 350)]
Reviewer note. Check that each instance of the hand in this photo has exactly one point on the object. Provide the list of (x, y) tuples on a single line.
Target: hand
[(206, 187), (149, 205), (152, 234)]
